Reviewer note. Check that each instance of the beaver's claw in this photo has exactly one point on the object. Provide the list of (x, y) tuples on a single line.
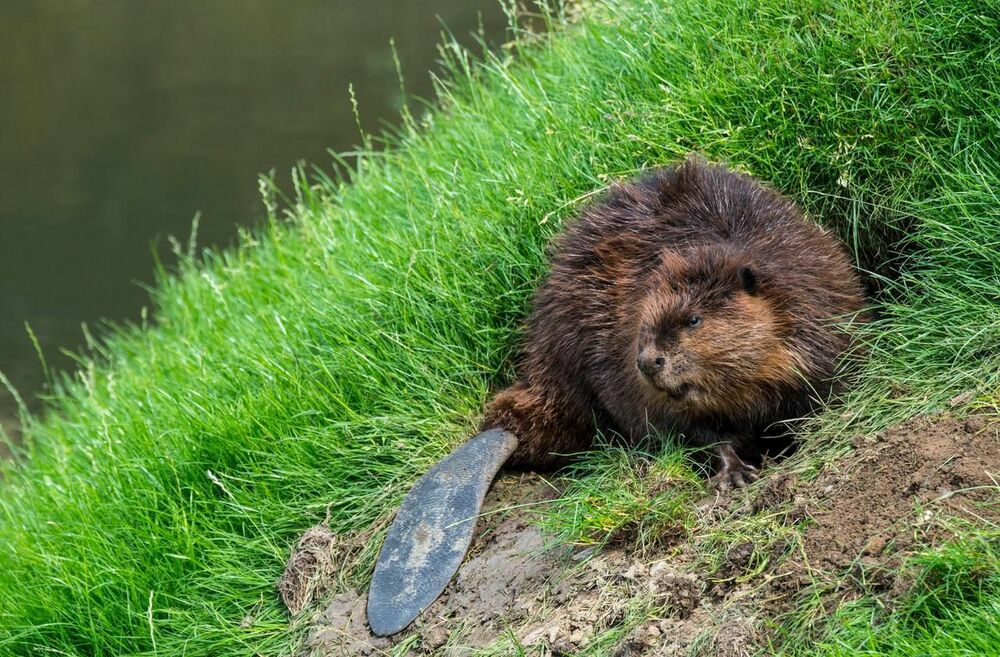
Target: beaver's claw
[(727, 480), (731, 471)]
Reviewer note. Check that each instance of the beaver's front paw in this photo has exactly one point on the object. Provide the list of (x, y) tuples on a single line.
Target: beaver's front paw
[(730, 470)]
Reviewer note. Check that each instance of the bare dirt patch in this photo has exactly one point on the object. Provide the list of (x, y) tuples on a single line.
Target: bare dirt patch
[(869, 501), (871, 509), (848, 531)]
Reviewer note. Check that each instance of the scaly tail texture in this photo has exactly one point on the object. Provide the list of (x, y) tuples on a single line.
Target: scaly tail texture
[(432, 531)]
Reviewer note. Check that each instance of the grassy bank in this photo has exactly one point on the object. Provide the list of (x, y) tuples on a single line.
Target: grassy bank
[(336, 353)]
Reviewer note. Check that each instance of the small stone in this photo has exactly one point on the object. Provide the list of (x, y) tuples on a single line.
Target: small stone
[(434, 638), (943, 492), (964, 398), (545, 635), (635, 571), (658, 568), (974, 424), (875, 546), (533, 637), (867, 440), (870, 562)]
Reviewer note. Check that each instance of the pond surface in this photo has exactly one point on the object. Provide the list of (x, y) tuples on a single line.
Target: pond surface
[(122, 119)]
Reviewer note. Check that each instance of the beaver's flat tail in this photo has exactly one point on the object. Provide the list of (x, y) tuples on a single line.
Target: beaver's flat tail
[(432, 531)]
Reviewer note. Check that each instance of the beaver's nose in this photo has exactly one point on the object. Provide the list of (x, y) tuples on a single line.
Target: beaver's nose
[(650, 364)]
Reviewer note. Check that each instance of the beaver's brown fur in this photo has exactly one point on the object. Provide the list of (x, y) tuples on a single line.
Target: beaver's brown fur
[(692, 299)]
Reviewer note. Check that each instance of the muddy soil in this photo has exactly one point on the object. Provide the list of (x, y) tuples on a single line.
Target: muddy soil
[(850, 530)]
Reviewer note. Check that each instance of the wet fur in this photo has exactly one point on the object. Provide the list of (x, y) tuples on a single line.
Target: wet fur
[(625, 278)]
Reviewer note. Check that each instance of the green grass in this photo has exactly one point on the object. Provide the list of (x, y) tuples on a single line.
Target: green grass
[(951, 608), (625, 497), (352, 340)]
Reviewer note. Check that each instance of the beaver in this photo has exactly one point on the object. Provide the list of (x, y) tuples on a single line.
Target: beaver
[(693, 300)]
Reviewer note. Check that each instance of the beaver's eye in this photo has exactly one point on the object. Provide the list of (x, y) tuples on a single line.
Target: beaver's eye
[(694, 322)]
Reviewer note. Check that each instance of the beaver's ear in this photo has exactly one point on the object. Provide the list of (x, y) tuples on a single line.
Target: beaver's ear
[(748, 278)]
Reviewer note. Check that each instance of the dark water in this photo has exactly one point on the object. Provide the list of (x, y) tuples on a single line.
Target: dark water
[(121, 119)]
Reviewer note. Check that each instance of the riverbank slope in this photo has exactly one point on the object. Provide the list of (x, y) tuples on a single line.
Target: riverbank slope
[(313, 372)]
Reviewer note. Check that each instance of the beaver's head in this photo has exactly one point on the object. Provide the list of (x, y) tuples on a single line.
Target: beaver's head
[(709, 339)]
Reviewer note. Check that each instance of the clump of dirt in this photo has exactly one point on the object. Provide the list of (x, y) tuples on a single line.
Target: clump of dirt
[(308, 569), (875, 506), (865, 511), (317, 563)]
